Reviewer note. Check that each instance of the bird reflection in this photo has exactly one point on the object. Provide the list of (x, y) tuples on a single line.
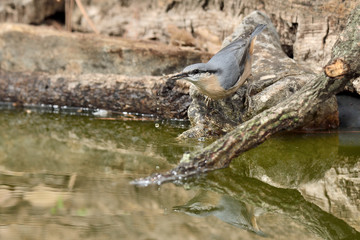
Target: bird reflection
[(225, 208)]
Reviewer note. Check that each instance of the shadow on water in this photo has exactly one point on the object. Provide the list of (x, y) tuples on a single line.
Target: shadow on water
[(65, 175)]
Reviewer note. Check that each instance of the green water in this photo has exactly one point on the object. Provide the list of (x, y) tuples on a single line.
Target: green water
[(66, 176)]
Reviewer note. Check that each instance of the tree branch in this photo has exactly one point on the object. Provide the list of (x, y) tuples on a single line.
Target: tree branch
[(287, 115)]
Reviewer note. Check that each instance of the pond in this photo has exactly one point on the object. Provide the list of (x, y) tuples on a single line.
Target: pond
[(66, 174)]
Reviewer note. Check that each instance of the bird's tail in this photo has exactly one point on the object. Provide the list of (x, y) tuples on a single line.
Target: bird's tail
[(257, 30)]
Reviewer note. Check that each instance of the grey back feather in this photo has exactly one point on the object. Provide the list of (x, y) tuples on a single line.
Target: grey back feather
[(230, 61)]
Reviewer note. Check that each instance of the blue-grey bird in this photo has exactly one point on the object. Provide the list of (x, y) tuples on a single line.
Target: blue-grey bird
[(226, 71)]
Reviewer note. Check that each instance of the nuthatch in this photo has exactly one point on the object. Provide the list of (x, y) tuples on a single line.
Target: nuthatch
[(226, 71)]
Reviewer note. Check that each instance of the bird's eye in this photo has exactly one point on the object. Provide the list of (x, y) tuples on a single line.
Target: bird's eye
[(196, 71)]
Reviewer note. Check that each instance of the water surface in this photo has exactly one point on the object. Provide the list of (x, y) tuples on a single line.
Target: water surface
[(66, 176)]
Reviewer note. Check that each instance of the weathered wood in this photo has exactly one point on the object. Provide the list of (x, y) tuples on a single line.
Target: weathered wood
[(287, 115), (308, 29), (146, 95), (336, 68)]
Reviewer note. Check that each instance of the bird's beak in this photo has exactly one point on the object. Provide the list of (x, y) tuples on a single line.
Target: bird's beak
[(178, 76)]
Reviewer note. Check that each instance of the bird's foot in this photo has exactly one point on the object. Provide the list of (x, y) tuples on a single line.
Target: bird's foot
[(248, 101), (207, 101)]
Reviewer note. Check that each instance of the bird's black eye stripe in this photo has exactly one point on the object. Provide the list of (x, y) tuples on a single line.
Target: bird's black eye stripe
[(197, 71)]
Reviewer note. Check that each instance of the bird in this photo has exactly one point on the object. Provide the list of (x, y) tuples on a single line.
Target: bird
[(226, 71)]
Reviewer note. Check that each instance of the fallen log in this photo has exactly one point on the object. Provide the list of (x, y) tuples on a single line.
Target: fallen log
[(149, 95), (286, 115)]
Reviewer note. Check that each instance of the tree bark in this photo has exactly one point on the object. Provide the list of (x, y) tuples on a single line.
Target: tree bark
[(288, 114)]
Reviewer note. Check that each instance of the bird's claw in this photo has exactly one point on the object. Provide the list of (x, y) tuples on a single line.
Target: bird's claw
[(248, 101), (207, 101)]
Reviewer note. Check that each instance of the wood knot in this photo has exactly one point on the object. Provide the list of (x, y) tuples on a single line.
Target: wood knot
[(336, 68)]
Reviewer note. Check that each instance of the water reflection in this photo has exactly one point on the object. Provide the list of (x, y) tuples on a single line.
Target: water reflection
[(349, 143), (323, 167), (67, 176), (258, 200), (225, 208)]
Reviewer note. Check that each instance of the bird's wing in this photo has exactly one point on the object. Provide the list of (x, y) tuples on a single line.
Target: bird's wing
[(233, 49), (237, 46), (232, 58), (231, 61)]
